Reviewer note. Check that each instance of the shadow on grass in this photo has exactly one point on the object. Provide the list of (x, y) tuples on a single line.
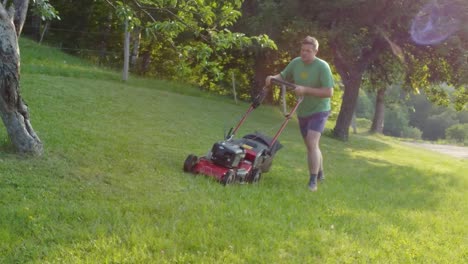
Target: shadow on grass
[(355, 141)]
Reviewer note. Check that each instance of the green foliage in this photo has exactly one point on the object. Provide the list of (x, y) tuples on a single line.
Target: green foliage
[(411, 132), (189, 41), (435, 125), (431, 119), (420, 109), (384, 71), (461, 98), (458, 133), (363, 124), (365, 106), (431, 68), (335, 102), (396, 120), (125, 14), (463, 116), (204, 49), (45, 10)]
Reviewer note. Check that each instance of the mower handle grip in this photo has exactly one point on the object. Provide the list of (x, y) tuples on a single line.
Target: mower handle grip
[(290, 86)]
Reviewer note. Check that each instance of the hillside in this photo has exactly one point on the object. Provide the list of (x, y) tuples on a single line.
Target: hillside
[(110, 186)]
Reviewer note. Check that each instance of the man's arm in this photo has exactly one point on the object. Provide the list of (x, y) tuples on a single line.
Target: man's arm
[(324, 92)]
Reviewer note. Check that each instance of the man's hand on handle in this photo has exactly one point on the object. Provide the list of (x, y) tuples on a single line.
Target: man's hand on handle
[(269, 77), (300, 90)]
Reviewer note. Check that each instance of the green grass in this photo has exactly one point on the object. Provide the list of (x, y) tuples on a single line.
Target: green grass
[(110, 187)]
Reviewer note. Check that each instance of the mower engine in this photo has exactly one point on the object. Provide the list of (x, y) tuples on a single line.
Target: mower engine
[(227, 154)]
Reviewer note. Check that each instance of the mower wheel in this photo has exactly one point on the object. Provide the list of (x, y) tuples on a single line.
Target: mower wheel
[(190, 163), (229, 177), (256, 175)]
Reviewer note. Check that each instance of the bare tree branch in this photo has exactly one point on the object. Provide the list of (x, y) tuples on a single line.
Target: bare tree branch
[(110, 3)]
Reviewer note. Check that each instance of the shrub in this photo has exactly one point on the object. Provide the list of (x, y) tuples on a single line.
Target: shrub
[(396, 119), (458, 133), (411, 132), (435, 125), (336, 103), (364, 106), (363, 123)]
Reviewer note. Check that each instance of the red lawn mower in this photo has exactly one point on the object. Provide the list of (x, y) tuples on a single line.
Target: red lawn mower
[(241, 160)]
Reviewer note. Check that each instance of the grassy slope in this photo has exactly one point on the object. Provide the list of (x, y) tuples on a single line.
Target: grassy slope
[(110, 187)]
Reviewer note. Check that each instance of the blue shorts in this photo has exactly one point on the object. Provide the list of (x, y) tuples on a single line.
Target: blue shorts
[(315, 122)]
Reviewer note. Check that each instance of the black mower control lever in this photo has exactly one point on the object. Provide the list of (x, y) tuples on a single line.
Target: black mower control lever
[(259, 98)]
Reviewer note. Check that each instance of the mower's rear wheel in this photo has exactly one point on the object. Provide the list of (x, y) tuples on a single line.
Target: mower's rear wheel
[(229, 177), (190, 163)]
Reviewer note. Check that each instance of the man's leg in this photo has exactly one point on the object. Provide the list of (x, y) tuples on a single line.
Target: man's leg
[(321, 175), (314, 156)]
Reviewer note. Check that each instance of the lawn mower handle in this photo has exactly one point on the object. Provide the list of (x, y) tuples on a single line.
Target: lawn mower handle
[(261, 96), (290, 86), (257, 101)]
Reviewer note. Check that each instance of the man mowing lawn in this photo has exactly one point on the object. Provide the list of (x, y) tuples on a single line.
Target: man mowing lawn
[(314, 81)]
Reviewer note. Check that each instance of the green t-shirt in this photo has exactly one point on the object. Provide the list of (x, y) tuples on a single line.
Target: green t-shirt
[(317, 75)]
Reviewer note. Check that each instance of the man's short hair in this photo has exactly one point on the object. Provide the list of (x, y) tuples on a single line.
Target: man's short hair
[(311, 41)]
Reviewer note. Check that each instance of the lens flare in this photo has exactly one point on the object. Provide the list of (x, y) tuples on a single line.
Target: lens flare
[(435, 22)]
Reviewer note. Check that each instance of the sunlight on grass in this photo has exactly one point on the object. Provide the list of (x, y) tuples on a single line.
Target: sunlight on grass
[(110, 187)]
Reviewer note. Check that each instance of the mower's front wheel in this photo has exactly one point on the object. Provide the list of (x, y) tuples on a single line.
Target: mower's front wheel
[(229, 177), (256, 175), (190, 163)]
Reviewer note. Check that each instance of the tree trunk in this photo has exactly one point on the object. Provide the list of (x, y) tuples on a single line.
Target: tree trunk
[(378, 120), (13, 110), (146, 59), (44, 31), (350, 96), (351, 70), (21, 10)]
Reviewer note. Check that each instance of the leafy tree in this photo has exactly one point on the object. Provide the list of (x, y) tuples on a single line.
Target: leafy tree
[(356, 41), (444, 60), (194, 37), (384, 71), (433, 119), (187, 40)]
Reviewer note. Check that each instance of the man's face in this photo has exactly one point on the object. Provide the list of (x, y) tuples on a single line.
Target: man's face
[(308, 53)]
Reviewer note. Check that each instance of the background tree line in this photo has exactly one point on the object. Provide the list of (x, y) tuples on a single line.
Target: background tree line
[(204, 42), (414, 116)]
